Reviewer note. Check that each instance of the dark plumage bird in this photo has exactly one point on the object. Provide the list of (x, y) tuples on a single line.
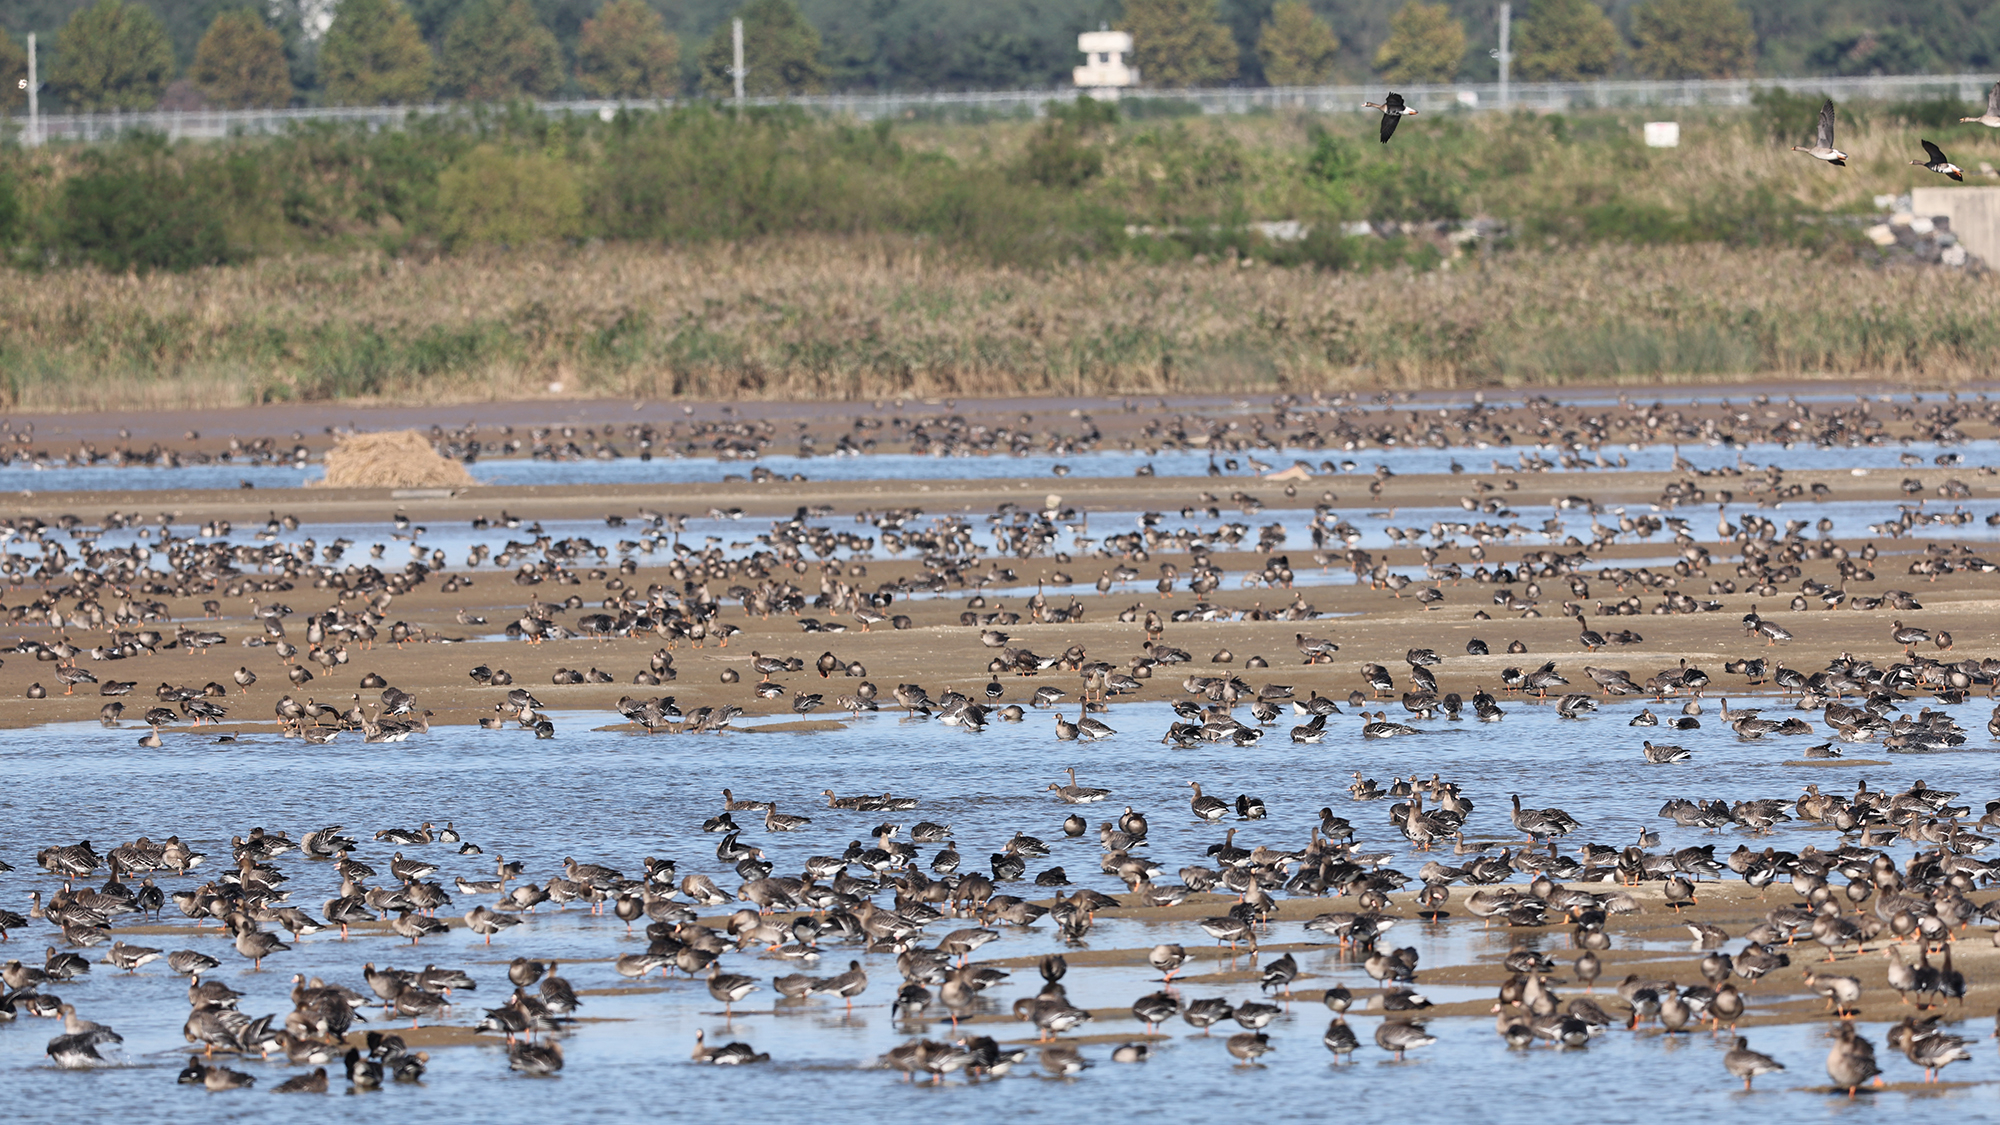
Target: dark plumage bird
[(1393, 111), (1935, 162)]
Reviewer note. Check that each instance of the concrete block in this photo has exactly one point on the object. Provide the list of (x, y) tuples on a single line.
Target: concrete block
[(1974, 214)]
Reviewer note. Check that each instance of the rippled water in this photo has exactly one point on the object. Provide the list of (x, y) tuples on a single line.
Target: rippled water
[(612, 797)]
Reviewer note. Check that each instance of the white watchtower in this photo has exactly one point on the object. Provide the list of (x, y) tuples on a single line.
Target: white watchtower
[(1104, 61)]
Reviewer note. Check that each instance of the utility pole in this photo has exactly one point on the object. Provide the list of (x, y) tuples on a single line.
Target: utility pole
[(1505, 56), (34, 96), (737, 72)]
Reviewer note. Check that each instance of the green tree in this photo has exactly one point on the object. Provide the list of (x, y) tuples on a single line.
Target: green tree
[(780, 50), (1425, 44), (1179, 42), (627, 52), (490, 195), (1297, 47), (1693, 39), (374, 55), (13, 73), (498, 49), (1565, 41), (112, 56), (240, 62)]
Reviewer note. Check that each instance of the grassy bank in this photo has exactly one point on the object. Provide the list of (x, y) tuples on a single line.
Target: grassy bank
[(863, 317)]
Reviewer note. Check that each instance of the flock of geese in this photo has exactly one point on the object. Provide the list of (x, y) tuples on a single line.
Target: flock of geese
[(1846, 898), (912, 896)]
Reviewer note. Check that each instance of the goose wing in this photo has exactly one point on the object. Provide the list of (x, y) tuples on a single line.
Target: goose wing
[(1993, 100), (1826, 124), (1936, 154)]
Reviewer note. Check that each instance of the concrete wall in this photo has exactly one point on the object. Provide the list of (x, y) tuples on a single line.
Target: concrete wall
[(1974, 213)]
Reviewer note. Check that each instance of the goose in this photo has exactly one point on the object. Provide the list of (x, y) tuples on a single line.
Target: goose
[(1339, 1039), (1155, 1009), (313, 1082), (535, 1059), (846, 985), (1249, 1046), (130, 957), (1074, 794), (1066, 731), (486, 922), (729, 1054), (1908, 636), (1091, 729), (1380, 727), (1927, 1047), (1400, 1036), (729, 987), (189, 963), (1937, 163), (77, 1047), (775, 821), (1822, 146), (1991, 118), (1393, 110), (1206, 807), (1206, 1013), (1851, 1062), (1168, 959), (257, 945), (1660, 755), (1063, 1060)]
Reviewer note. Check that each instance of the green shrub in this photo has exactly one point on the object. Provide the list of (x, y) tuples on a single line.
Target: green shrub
[(140, 213), (490, 195)]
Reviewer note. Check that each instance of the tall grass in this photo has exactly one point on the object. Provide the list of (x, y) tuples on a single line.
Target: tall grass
[(833, 317)]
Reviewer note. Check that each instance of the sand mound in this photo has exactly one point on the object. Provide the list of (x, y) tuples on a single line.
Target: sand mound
[(398, 459)]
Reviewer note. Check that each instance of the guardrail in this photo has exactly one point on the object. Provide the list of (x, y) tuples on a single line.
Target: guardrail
[(1465, 97)]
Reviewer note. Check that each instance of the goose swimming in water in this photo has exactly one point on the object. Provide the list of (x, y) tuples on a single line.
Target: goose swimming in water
[(1074, 794)]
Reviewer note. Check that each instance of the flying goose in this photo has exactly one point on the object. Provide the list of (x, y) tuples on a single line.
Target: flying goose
[(1822, 146), (1991, 119), (1393, 110)]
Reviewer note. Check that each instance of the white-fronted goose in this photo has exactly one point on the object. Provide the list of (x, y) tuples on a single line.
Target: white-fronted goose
[(1822, 146)]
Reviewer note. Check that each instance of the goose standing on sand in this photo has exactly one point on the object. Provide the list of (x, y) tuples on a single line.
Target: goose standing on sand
[(1393, 110), (1991, 119), (1822, 146), (1936, 162)]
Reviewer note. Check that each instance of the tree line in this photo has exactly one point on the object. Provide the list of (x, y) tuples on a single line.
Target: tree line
[(139, 54)]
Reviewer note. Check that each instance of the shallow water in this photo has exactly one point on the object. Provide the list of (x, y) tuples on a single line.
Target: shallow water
[(21, 476), (612, 797)]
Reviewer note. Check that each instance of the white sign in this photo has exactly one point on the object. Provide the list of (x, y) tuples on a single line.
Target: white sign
[(1663, 134)]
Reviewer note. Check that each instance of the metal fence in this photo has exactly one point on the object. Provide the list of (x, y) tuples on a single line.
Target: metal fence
[(1469, 97)]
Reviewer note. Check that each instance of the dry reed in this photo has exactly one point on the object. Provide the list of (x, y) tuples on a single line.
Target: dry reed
[(831, 318), (391, 459)]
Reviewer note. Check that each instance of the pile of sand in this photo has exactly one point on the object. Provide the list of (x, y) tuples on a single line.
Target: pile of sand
[(399, 459)]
